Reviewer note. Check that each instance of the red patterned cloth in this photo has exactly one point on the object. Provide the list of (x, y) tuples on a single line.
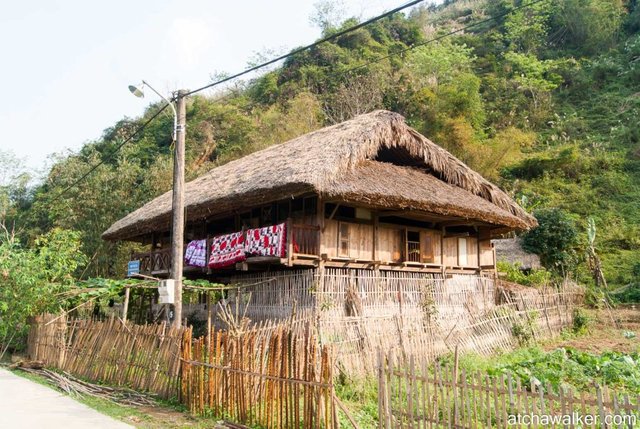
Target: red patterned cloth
[(226, 250), (267, 241)]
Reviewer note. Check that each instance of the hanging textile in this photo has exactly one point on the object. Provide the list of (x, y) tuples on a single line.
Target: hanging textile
[(226, 250), (196, 253), (267, 241)]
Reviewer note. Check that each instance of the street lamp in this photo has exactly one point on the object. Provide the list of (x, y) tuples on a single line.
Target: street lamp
[(138, 91), (177, 228)]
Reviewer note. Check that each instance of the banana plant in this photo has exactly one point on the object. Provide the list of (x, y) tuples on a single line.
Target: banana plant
[(595, 265)]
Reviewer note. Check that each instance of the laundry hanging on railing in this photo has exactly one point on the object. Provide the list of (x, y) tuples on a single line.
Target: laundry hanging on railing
[(196, 253), (267, 241), (227, 249)]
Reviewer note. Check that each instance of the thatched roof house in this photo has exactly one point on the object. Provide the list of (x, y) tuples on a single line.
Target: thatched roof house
[(374, 160)]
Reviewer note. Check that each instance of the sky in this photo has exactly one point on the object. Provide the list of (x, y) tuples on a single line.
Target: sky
[(67, 64)]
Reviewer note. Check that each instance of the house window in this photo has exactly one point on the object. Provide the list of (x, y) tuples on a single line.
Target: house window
[(462, 252), (413, 246), (266, 216), (297, 207), (310, 206), (363, 214), (342, 212), (343, 239), (283, 210)]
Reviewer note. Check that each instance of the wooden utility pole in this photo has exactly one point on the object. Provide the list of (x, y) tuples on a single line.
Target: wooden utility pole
[(177, 241)]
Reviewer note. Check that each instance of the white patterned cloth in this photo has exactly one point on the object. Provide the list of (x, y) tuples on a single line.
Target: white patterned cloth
[(196, 254)]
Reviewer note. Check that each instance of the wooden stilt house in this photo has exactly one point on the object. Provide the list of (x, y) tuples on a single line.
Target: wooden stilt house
[(369, 198)]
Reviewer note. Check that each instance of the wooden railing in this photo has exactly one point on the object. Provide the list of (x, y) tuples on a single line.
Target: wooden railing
[(306, 239), (154, 261), (413, 251)]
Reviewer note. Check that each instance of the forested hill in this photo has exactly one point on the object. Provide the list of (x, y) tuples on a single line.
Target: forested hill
[(545, 101)]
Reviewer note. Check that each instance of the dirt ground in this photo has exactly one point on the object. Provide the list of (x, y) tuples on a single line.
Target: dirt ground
[(606, 332), (162, 417), (158, 417)]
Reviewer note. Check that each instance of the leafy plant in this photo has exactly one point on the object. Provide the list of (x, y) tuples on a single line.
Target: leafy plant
[(534, 277), (32, 280), (581, 321), (554, 239)]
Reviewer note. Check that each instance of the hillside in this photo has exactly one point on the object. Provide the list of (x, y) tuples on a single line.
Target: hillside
[(544, 101)]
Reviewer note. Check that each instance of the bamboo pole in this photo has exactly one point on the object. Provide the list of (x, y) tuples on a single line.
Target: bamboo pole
[(125, 307)]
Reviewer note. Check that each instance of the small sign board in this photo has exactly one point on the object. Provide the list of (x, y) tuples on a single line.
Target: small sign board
[(133, 268)]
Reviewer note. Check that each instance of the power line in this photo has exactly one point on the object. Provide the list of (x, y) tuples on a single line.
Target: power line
[(304, 48), (252, 69), (111, 154), (400, 52), (296, 51)]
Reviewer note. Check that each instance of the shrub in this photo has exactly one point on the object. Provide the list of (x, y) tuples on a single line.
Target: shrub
[(534, 277), (554, 239), (581, 321)]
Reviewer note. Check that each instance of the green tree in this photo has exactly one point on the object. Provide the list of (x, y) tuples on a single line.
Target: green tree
[(526, 29), (32, 279), (591, 25), (554, 239)]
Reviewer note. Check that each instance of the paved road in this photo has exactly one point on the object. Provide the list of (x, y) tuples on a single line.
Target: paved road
[(25, 404)]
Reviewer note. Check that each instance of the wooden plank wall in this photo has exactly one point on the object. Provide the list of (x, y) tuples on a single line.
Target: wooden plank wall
[(450, 251), (472, 252), (329, 240), (389, 244), (431, 245), (361, 241)]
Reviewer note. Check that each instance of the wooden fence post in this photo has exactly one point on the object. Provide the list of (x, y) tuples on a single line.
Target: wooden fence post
[(209, 315), (455, 387), (381, 390), (125, 306)]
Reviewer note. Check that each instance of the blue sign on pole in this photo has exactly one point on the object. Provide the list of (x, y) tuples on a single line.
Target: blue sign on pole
[(133, 268)]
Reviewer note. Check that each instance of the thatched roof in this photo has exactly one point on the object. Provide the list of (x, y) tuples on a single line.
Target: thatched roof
[(374, 158)]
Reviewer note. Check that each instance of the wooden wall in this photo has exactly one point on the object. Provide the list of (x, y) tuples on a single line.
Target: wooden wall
[(431, 247), (487, 257), (390, 245)]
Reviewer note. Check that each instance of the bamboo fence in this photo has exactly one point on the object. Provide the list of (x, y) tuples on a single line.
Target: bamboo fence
[(361, 310), (273, 376), (414, 394), (142, 357), (441, 324)]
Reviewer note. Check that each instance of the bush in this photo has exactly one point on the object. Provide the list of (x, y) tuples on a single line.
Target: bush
[(33, 279), (581, 321), (554, 239), (534, 277)]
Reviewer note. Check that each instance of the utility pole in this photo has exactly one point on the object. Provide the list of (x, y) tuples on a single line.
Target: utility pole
[(177, 241)]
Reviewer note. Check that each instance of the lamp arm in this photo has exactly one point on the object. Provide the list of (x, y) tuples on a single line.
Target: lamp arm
[(173, 107)]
